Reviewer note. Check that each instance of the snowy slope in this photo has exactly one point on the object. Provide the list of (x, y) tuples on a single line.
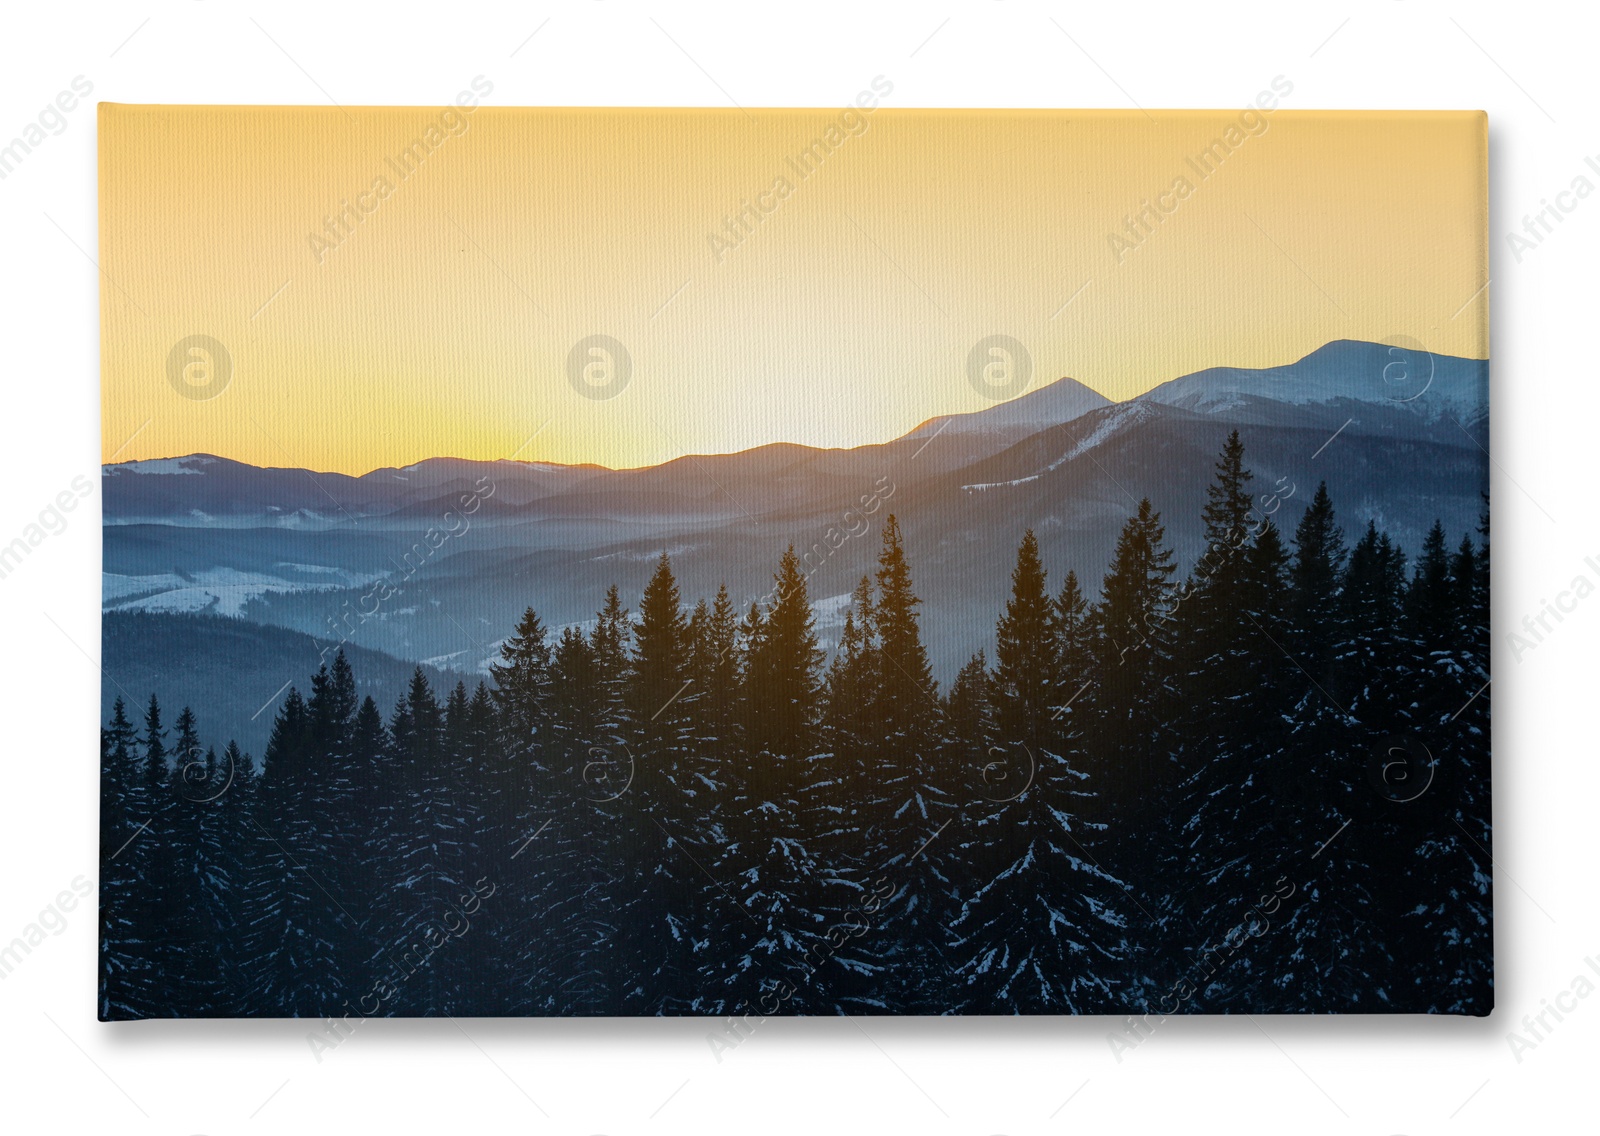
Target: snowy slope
[(1061, 401), (1427, 383)]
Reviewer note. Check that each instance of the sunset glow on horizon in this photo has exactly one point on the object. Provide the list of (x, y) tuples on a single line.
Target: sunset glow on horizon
[(393, 284)]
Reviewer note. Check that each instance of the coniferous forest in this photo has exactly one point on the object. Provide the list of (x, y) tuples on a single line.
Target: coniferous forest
[(1263, 788)]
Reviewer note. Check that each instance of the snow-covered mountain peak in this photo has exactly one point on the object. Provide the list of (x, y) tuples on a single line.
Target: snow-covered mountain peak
[(1060, 401), (1401, 376)]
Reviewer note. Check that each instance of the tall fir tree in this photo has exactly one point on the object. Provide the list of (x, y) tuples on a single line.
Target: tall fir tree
[(1072, 631), (1027, 660), (659, 673), (610, 642), (905, 700), (522, 683), (1043, 931), (1133, 649), (1315, 575), (192, 880), (782, 669), (714, 668), (669, 797), (1215, 642), (295, 930), (969, 714), (122, 818), (852, 677)]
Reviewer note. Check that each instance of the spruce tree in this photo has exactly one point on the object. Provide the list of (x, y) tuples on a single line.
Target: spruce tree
[(1045, 932), (155, 756), (782, 680), (153, 863), (331, 705), (296, 931), (670, 799), (427, 845), (716, 670), (232, 797), (659, 673), (1026, 655), (610, 642), (1314, 577), (567, 918), (368, 738), (1133, 647), (711, 698), (522, 682), (969, 714), (122, 816), (852, 678), (457, 730), (772, 851), (1215, 643), (576, 695), (192, 876), (1371, 596), (482, 728), (700, 661), (1072, 631), (905, 700), (907, 794)]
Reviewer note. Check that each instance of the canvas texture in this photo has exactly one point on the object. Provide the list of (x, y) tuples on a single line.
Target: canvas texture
[(857, 560)]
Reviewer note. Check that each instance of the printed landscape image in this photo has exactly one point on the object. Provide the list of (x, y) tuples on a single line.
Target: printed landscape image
[(637, 562)]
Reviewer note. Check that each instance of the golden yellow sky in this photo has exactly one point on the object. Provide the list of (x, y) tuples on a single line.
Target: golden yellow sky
[(442, 322)]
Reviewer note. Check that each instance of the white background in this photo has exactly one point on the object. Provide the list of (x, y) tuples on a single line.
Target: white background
[(1530, 66)]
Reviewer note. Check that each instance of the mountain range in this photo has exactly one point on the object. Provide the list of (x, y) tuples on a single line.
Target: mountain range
[(1398, 434)]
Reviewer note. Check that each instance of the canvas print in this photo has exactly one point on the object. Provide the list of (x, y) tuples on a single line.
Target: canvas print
[(750, 562)]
